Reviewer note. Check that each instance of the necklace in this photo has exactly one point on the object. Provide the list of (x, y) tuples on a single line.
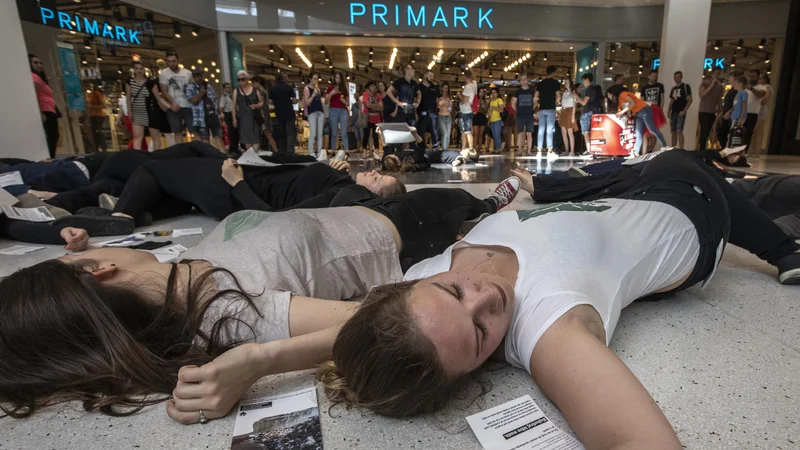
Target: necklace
[(489, 260)]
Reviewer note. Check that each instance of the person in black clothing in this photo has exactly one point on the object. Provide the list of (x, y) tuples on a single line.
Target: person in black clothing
[(428, 108), (681, 179), (724, 127), (197, 182), (405, 93), (680, 99), (592, 101), (549, 90), (283, 99), (612, 94), (653, 93)]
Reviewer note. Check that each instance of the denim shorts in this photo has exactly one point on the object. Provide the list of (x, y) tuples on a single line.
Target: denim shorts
[(465, 122), (676, 121), (586, 123), (212, 123), (525, 123)]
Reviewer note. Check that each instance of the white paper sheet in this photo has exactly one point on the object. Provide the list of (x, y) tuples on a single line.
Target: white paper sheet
[(38, 214), (19, 250), (289, 421), (250, 158), (520, 425), (7, 199), (396, 133), (11, 179), (133, 239), (168, 254), (186, 232)]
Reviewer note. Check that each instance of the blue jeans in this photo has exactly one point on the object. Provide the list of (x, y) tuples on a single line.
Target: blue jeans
[(445, 124), (547, 123), (338, 117), (497, 134), (644, 118)]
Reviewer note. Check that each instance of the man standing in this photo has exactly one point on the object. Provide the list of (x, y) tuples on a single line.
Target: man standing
[(205, 120), (428, 108), (592, 101), (710, 94), (405, 92), (282, 96), (549, 90), (226, 114), (680, 99), (522, 103), (612, 94), (752, 77), (172, 82), (727, 108), (653, 93), (465, 110)]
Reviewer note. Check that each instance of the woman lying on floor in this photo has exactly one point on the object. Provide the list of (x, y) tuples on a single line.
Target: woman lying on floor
[(502, 293), (112, 324)]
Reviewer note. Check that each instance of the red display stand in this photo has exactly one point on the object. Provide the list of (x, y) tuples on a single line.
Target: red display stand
[(612, 136)]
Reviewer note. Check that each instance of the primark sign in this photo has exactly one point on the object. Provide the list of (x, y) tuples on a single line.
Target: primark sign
[(708, 64), (83, 24), (420, 16)]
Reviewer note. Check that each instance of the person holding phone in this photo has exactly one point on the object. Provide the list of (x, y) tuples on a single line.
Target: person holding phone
[(312, 104), (338, 98)]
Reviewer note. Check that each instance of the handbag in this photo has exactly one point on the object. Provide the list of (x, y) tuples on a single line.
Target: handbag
[(258, 115), (363, 120), (737, 136)]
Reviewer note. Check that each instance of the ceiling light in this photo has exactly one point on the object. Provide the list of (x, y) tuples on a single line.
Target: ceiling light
[(252, 40), (281, 57), (371, 51), (430, 64), (416, 52), (289, 63), (717, 44), (212, 75), (99, 55), (214, 63), (739, 44), (193, 67), (176, 27), (545, 56), (762, 44), (506, 55), (610, 67), (119, 70), (271, 48), (303, 57), (571, 47), (733, 61), (196, 31), (199, 61), (463, 55), (766, 59), (392, 58), (217, 69), (322, 49), (350, 57)]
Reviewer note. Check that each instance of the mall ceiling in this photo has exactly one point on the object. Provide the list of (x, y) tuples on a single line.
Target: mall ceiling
[(605, 3)]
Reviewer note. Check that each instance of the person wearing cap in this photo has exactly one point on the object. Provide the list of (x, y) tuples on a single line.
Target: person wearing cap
[(205, 120)]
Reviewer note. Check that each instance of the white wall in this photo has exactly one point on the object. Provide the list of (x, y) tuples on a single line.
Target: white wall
[(21, 131)]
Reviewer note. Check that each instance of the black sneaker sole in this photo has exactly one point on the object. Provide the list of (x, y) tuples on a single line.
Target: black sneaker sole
[(790, 277), (98, 226), (94, 211)]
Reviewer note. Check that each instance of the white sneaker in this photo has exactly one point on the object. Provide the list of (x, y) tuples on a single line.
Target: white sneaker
[(341, 155), (323, 156), (734, 150), (505, 192), (107, 201), (459, 161)]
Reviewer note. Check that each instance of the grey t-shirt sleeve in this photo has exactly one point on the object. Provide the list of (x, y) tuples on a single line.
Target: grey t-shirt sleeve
[(239, 322)]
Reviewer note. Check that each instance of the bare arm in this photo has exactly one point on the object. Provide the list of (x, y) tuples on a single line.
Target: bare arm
[(705, 89), (514, 103), (390, 93), (306, 98), (600, 397), (689, 101), (128, 99), (260, 103), (165, 93)]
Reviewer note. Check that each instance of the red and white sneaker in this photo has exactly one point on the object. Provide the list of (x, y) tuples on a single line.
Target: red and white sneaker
[(505, 192)]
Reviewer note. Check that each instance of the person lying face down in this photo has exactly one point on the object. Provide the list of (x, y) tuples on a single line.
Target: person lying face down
[(111, 324)]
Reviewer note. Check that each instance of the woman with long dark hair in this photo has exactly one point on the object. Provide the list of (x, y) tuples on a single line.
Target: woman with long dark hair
[(47, 103), (112, 327), (337, 96), (136, 95)]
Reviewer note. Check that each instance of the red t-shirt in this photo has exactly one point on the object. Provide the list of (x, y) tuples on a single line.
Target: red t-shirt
[(373, 116), (47, 103), (336, 99)]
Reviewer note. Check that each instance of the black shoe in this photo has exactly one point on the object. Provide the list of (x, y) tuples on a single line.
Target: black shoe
[(789, 269), (98, 226), (94, 211)]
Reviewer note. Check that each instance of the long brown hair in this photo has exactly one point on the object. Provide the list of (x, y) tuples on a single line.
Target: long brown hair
[(381, 361), (66, 336)]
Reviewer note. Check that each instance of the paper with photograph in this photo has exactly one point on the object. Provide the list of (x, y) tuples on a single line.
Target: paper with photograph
[(38, 214), (521, 425), (11, 179), (289, 421)]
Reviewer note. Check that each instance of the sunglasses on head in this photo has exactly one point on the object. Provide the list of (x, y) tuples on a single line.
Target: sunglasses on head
[(242, 79)]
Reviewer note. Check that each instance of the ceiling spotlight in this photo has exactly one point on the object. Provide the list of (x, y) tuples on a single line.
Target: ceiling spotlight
[(766, 59), (217, 69), (350, 57), (610, 68), (371, 51), (281, 57), (545, 56), (506, 55), (199, 61), (176, 27), (194, 67), (322, 49), (214, 63), (196, 31), (739, 44), (205, 69), (99, 55), (717, 44), (119, 70), (289, 63), (84, 62), (463, 55), (252, 40), (416, 52), (762, 44), (87, 41), (303, 57), (653, 46), (733, 61), (640, 72), (271, 48), (392, 58), (571, 47), (327, 57)]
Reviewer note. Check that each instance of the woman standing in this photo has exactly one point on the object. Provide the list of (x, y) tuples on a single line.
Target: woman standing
[(372, 105), (157, 108), (47, 103), (312, 104), (445, 115), (763, 115), (496, 106), (337, 96), (136, 95), (511, 125), (567, 118), (261, 85), (479, 120), (247, 116)]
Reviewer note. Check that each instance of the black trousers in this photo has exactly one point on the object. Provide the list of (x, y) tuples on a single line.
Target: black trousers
[(365, 140), (96, 123), (706, 124), (51, 132), (425, 125), (674, 178), (723, 131), (428, 220), (749, 127), (233, 133), (287, 137)]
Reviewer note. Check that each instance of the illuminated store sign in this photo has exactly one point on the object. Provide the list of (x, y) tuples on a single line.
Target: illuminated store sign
[(710, 63), (395, 14), (86, 25)]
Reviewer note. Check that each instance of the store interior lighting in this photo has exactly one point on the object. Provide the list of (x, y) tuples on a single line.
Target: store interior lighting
[(519, 61), (303, 57), (176, 27), (392, 58)]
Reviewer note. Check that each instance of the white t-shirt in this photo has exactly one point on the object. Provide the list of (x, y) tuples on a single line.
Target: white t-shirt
[(764, 112), (606, 254), (567, 100), (753, 103), (331, 253), (470, 91), (123, 105), (177, 82)]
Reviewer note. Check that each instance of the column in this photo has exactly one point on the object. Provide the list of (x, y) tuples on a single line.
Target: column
[(600, 50), (225, 65), (22, 131), (683, 47)]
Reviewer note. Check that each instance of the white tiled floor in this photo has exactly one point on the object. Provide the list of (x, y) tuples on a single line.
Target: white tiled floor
[(722, 363)]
